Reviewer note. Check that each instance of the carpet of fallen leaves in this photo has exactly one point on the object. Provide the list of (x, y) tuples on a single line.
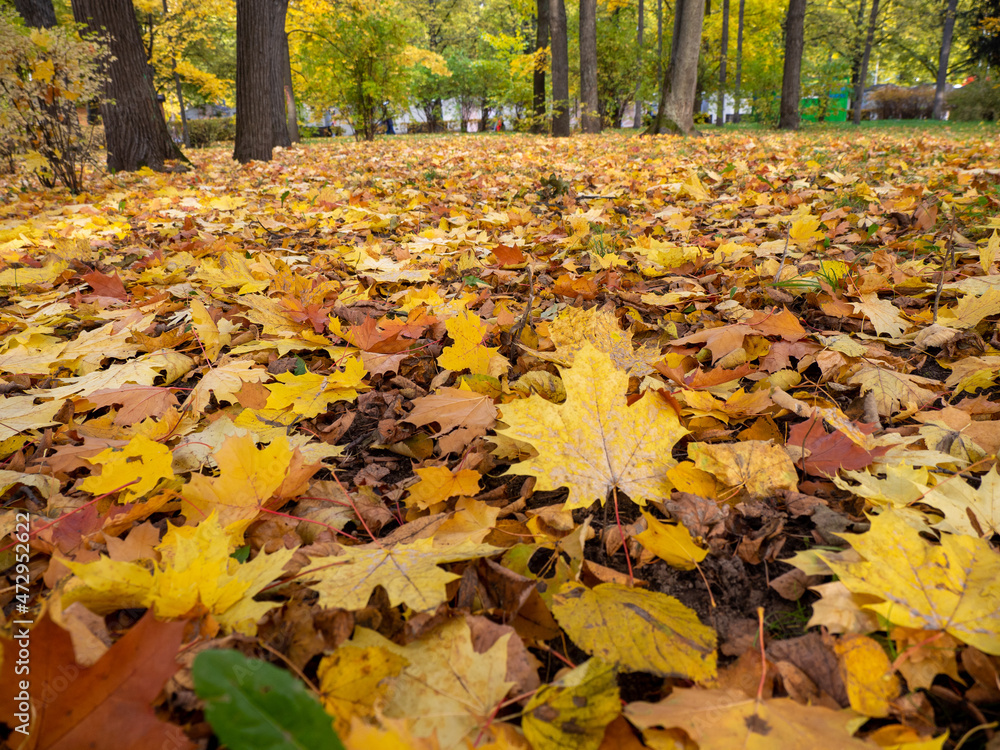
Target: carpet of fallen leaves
[(508, 442)]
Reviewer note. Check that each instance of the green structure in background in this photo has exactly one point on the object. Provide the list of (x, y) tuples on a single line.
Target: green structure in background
[(830, 108)]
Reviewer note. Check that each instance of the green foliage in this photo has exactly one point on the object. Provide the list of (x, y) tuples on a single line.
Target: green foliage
[(208, 130), (355, 56), (978, 101), (44, 75), (253, 705)]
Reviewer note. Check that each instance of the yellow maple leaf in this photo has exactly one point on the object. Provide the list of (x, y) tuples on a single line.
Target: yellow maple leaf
[(595, 442), (952, 586), (248, 478), (730, 719), (447, 686), (19, 413), (574, 710), (868, 675), (804, 229), (758, 466), (408, 572), (196, 568), (664, 637), (352, 680), (601, 329), (213, 336), (438, 483), (671, 542), (224, 381), (468, 352), (894, 390), (143, 461), (884, 316), (309, 394)]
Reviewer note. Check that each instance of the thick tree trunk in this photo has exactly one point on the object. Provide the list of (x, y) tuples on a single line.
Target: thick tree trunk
[(134, 128), (859, 88), (637, 119), (679, 84), (291, 111), (538, 80), (720, 105), (38, 14), (739, 63), (590, 120), (942, 72), (659, 41), (560, 69), (791, 80), (260, 100)]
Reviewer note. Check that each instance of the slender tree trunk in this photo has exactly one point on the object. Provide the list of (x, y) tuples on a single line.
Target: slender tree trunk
[(678, 88), (560, 69), (591, 120), (260, 100), (659, 41), (178, 89), (637, 118), (859, 89), (791, 80), (291, 111), (859, 25), (739, 63), (538, 79), (38, 14), (942, 73), (134, 128), (720, 106)]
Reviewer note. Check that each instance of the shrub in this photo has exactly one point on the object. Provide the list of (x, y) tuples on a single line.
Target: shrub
[(207, 130), (978, 101), (44, 74), (901, 103)]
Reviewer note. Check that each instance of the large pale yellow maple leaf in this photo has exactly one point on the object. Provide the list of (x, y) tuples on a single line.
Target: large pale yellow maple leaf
[(953, 586), (135, 468), (594, 442), (724, 719), (408, 572), (196, 568), (447, 686)]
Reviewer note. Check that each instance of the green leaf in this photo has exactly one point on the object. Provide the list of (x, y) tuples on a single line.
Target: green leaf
[(253, 705)]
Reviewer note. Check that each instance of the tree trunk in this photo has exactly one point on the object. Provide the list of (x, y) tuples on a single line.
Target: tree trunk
[(291, 111), (856, 43), (739, 63), (859, 89), (679, 84), (260, 100), (38, 14), (178, 89), (134, 128), (560, 69), (659, 40), (720, 106), (942, 73), (538, 79), (637, 119), (590, 121), (791, 80)]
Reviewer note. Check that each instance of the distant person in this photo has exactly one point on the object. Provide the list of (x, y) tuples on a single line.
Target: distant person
[(389, 129), (499, 124)]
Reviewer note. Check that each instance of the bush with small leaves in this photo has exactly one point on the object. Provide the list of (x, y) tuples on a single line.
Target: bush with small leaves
[(45, 74)]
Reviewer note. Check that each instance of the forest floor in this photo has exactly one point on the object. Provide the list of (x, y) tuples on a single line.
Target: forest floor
[(506, 441)]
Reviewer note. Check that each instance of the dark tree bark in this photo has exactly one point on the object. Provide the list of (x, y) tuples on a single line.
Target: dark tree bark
[(38, 14), (134, 128), (538, 80), (659, 40), (859, 88), (637, 119), (291, 112), (791, 79), (260, 99), (739, 63), (856, 45), (590, 121), (560, 69), (679, 84), (720, 106), (942, 71)]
